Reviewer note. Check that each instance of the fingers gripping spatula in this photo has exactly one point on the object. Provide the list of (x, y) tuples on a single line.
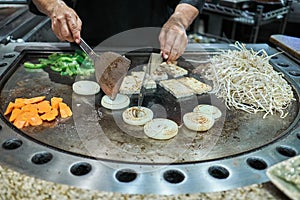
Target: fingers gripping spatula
[(110, 69)]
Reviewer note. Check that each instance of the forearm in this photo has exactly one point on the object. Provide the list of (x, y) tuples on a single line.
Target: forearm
[(185, 14), (47, 6)]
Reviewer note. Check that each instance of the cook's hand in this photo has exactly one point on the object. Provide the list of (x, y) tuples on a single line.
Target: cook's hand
[(65, 23), (173, 38)]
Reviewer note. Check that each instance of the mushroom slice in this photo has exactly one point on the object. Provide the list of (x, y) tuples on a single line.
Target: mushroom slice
[(197, 121), (208, 110), (137, 116), (121, 101), (161, 129), (86, 87)]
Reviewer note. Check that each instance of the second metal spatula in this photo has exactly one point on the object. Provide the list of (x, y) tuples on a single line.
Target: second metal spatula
[(110, 69)]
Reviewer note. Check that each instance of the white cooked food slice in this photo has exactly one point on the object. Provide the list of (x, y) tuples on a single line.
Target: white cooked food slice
[(197, 86), (176, 88), (198, 121), (86, 87), (130, 85), (121, 101), (159, 75), (148, 84), (136, 116), (208, 110), (161, 129), (173, 70)]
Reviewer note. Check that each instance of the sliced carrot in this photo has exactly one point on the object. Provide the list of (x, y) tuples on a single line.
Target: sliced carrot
[(49, 116), (30, 108), (65, 110), (34, 99), (55, 101), (19, 122), (15, 113), (19, 102), (44, 107), (9, 108), (35, 120)]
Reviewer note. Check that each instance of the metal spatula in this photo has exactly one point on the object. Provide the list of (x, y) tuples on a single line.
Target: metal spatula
[(154, 61), (110, 69)]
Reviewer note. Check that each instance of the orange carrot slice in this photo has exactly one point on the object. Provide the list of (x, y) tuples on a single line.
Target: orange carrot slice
[(14, 114), (64, 110), (34, 99), (9, 108), (49, 116), (55, 101), (44, 107)]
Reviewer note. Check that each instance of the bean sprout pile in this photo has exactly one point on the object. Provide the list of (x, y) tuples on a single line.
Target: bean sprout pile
[(247, 81)]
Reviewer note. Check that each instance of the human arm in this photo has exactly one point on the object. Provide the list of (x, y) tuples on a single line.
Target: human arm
[(65, 23), (173, 38)]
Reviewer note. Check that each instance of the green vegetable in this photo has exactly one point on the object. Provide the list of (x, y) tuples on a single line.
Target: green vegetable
[(33, 66), (66, 64)]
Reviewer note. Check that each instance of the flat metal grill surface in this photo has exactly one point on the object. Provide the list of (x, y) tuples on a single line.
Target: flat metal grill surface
[(99, 138)]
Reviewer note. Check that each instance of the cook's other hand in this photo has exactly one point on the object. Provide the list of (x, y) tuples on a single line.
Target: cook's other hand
[(66, 24), (173, 38)]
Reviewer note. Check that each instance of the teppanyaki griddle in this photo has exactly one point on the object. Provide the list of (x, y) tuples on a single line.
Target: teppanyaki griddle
[(96, 144)]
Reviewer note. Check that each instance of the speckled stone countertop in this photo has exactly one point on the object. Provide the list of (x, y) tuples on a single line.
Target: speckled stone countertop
[(16, 186)]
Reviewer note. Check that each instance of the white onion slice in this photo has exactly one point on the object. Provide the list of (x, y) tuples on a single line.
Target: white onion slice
[(121, 101), (161, 129), (208, 110), (136, 116), (197, 121), (86, 87)]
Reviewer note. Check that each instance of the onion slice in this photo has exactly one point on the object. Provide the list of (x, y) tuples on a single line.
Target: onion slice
[(121, 101), (86, 87), (161, 129), (197, 121), (208, 110), (136, 116)]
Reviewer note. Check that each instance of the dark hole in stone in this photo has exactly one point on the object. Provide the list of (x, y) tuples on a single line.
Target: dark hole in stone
[(286, 151), (218, 172), (257, 163), (41, 158), (126, 175), (80, 169), (173, 176), (12, 144)]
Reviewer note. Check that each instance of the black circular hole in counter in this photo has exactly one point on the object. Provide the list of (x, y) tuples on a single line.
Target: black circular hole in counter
[(173, 176), (9, 55), (12, 144), (286, 151), (282, 64), (3, 64), (257, 163), (298, 136), (294, 73), (42, 158), (126, 175), (80, 169), (218, 172)]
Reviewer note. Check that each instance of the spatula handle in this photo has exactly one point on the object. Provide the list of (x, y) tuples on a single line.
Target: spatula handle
[(87, 49)]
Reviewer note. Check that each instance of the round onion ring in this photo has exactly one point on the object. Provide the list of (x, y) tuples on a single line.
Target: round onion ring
[(136, 116)]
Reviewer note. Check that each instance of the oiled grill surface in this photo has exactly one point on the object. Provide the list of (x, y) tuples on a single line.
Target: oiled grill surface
[(97, 132)]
